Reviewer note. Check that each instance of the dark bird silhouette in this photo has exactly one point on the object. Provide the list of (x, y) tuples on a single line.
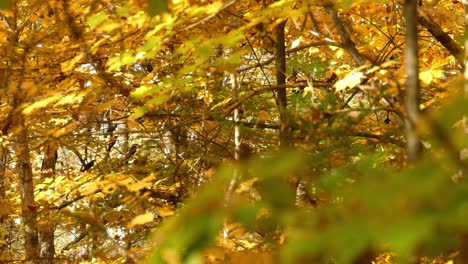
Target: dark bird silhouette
[(111, 142), (87, 165), (131, 152), (111, 127)]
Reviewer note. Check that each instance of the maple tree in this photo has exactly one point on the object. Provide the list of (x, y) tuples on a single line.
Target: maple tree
[(286, 131)]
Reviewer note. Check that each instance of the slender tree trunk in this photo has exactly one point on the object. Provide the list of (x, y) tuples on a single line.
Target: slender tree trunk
[(282, 100), (16, 122), (413, 142), (237, 142), (4, 152), (3, 159), (125, 138), (3, 165), (237, 135), (28, 204), (47, 228)]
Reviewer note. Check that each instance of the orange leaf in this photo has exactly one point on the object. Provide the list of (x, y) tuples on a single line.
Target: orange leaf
[(263, 115)]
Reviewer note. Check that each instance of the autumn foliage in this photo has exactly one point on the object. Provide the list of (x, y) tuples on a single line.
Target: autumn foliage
[(233, 132)]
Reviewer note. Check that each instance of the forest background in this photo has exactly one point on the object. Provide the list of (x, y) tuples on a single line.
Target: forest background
[(255, 131)]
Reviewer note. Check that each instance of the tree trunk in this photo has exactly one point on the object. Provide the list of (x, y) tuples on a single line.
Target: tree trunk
[(413, 143), (282, 100), (4, 157), (3, 217), (47, 227), (237, 141), (28, 205), (3, 164)]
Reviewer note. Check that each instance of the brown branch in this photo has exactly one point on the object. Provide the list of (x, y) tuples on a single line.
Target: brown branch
[(290, 51), (346, 40), (438, 33), (74, 241), (382, 138), (228, 109), (76, 199), (259, 63), (198, 23)]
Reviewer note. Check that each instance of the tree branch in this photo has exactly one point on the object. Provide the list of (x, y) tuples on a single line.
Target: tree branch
[(441, 36), (347, 43)]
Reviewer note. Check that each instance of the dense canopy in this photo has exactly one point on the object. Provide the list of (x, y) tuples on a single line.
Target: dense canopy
[(206, 131)]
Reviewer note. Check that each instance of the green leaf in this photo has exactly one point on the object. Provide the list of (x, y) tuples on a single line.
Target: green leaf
[(4, 4), (96, 20), (153, 43), (123, 59), (404, 236), (160, 99), (139, 112), (143, 91), (157, 7), (195, 228)]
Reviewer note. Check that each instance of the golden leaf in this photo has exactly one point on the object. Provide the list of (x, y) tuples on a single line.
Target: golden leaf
[(141, 219), (108, 26), (91, 188), (339, 53), (224, 102), (137, 186), (427, 103), (206, 96), (70, 64), (426, 76), (71, 98), (165, 210), (64, 130), (246, 185), (37, 105)]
